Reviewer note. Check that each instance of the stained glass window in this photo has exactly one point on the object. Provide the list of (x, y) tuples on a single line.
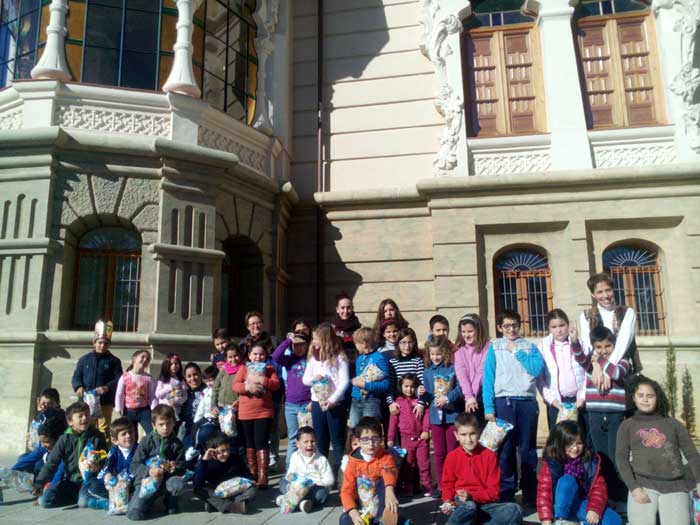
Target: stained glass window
[(523, 283), (19, 38), (637, 277), (108, 279)]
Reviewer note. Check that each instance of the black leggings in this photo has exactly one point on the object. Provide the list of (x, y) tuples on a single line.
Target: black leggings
[(257, 432)]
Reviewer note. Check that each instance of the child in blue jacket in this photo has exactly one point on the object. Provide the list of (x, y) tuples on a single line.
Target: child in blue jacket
[(373, 378)]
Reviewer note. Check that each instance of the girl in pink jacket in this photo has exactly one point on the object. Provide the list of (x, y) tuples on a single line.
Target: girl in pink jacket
[(469, 357)]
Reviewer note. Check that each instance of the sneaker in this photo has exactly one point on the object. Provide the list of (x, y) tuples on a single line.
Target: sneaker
[(279, 500), (306, 506), (428, 494), (191, 454), (98, 503), (272, 464)]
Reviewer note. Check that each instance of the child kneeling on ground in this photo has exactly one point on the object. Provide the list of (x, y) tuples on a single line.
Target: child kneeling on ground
[(306, 462), (219, 464), (471, 479), (368, 493)]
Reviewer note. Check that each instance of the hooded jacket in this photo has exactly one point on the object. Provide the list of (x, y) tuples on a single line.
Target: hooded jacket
[(381, 466), (168, 448)]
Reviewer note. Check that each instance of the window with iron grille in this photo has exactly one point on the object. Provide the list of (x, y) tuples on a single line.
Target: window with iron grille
[(637, 277), (523, 282), (108, 279)]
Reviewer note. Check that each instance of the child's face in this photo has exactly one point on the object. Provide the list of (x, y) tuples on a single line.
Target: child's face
[(603, 348), (43, 402), (232, 357), (436, 356), (257, 355), (559, 329), (391, 334), (389, 311), (141, 362), (362, 347), (125, 438), (193, 378), (174, 367), (315, 342), (46, 442), (369, 442), (255, 326), (344, 309), (79, 421), (101, 345), (575, 448), (408, 388), (510, 329), (209, 381), (645, 399), (300, 349), (164, 426), (604, 295), (306, 443), (406, 346), (468, 437), (303, 328), (468, 332), (441, 329), (223, 452), (220, 343)]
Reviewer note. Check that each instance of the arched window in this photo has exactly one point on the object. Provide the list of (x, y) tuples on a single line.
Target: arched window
[(637, 276), (619, 66), (241, 283), (502, 68), (108, 279), (524, 283)]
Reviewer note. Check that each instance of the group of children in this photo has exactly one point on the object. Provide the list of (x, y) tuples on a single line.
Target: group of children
[(373, 393)]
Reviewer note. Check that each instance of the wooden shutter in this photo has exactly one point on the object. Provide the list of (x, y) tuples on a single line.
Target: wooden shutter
[(503, 81), (596, 65), (636, 72)]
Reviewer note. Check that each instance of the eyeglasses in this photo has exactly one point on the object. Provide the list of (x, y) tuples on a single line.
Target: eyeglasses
[(510, 326), (367, 440)]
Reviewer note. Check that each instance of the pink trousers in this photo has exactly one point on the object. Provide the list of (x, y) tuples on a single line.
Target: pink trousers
[(444, 442)]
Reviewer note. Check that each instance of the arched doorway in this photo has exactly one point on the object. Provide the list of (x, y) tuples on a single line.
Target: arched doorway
[(241, 283)]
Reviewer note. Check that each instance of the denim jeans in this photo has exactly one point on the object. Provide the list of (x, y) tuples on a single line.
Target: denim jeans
[(60, 494), (365, 406), (92, 488), (275, 430), (318, 495), (330, 428), (290, 416), (140, 415), (602, 427), (470, 513), (569, 505)]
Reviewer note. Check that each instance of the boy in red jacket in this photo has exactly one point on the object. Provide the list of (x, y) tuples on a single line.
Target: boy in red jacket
[(471, 481)]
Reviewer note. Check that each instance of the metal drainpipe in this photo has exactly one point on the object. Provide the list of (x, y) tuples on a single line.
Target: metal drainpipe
[(320, 186)]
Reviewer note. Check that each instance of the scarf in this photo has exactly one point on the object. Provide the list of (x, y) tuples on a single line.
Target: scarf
[(574, 467), (346, 325), (231, 369)]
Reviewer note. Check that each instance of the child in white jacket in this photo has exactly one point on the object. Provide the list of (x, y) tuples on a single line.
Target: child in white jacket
[(307, 462), (563, 380)]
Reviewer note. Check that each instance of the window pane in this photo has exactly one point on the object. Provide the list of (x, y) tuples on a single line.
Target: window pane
[(100, 65), (115, 239), (29, 5), (141, 31), (214, 91), (144, 5), (10, 9), (90, 296), (24, 66), (103, 27), (29, 27), (139, 70)]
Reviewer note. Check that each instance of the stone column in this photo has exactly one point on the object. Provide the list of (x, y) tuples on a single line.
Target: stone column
[(181, 79), (52, 64), (566, 120)]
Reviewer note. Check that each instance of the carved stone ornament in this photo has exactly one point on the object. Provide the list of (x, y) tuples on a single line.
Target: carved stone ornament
[(438, 25), (686, 82), (12, 119), (134, 123), (209, 138), (266, 17), (509, 163)]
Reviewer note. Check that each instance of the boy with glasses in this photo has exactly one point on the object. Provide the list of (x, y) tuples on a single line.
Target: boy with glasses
[(511, 367)]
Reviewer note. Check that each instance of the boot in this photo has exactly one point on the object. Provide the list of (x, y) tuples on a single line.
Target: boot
[(251, 460), (263, 459)]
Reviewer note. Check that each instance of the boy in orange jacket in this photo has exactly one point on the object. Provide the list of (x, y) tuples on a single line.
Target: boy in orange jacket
[(471, 481), (370, 479)]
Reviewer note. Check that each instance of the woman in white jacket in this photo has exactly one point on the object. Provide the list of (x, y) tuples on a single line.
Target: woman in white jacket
[(563, 380)]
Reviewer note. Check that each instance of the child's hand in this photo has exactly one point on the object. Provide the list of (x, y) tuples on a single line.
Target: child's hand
[(573, 333), (490, 417), (209, 454), (389, 444), (214, 411), (592, 517), (170, 467), (36, 492), (640, 496), (472, 405), (318, 377), (425, 436), (441, 401), (355, 517), (447, 508), (418, 410), (106, 478), (421, 391), (462, 495), (80, 392), (155, 472), (94, 467), (358, 382), (390, 501), (580, 403), (101, 390), (394, 409), (556, 404)]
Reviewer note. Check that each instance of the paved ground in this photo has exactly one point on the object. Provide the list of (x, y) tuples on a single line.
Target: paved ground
[(18, 509)]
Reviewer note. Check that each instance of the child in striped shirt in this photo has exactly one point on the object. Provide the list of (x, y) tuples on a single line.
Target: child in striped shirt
[(407, 361)]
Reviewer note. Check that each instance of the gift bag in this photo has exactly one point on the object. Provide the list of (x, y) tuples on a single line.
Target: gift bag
[(441, 387), (256, 373), (299, 487), (89, 457), (369, 499), (227, 421), (16, 479), (567, 412), (370, 374), (118, 490), (398, 454), (304, 418), (695, 517), (149, 485), (33, 435), (232, 487), (323, 388), (494, 433), (92, 399)]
